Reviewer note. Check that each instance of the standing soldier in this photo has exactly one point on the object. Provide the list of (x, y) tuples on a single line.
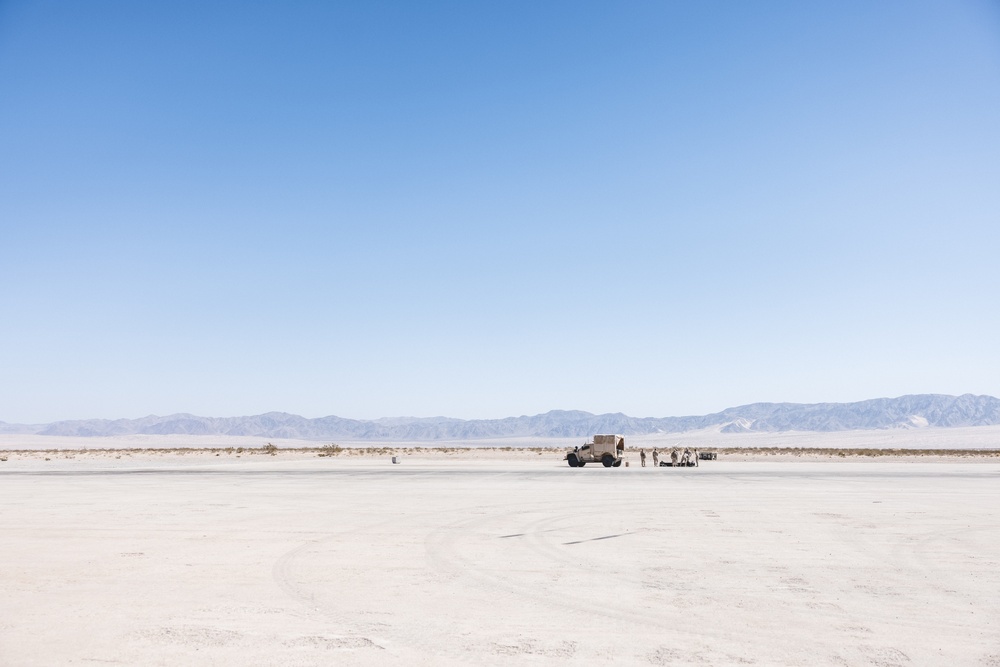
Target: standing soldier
[(642, 457), (656, 458), (673, 457)]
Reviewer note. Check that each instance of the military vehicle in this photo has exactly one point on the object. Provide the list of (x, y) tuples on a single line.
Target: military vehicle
[(606, 449)]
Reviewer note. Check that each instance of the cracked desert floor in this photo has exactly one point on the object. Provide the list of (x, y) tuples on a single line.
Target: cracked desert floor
[(327, 561)]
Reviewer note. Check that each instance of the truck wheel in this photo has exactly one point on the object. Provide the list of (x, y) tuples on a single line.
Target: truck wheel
[(581, 464), (618, 463), (608, 460), (573, 460)]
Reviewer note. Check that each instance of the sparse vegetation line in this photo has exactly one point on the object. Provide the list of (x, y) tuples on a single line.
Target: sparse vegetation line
[(334, 450)]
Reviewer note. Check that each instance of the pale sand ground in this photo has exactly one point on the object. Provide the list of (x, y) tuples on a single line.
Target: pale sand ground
[(505, 559)]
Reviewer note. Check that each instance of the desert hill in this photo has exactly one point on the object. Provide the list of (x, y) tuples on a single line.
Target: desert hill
[(916, 411)]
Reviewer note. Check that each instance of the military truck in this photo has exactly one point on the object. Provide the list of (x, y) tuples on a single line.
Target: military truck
[(606, 449)]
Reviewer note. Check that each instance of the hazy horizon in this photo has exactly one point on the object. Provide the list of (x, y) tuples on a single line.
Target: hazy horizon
[(511, 416)]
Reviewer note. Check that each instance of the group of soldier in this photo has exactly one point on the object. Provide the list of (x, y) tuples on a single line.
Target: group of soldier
[(685, 459)]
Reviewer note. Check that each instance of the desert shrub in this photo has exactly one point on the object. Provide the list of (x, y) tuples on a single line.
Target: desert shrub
[(330, 450), (269, 449)]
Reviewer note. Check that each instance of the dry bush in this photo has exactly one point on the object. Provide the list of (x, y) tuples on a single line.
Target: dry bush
[(332, 449)]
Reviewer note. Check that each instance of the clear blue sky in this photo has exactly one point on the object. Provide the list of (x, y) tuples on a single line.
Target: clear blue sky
[(485, 209)]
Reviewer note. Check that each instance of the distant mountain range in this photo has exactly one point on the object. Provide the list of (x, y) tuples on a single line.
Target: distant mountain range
[(904, 412)]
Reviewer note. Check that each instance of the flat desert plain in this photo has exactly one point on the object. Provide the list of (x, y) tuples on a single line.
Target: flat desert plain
[(517, 560)]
